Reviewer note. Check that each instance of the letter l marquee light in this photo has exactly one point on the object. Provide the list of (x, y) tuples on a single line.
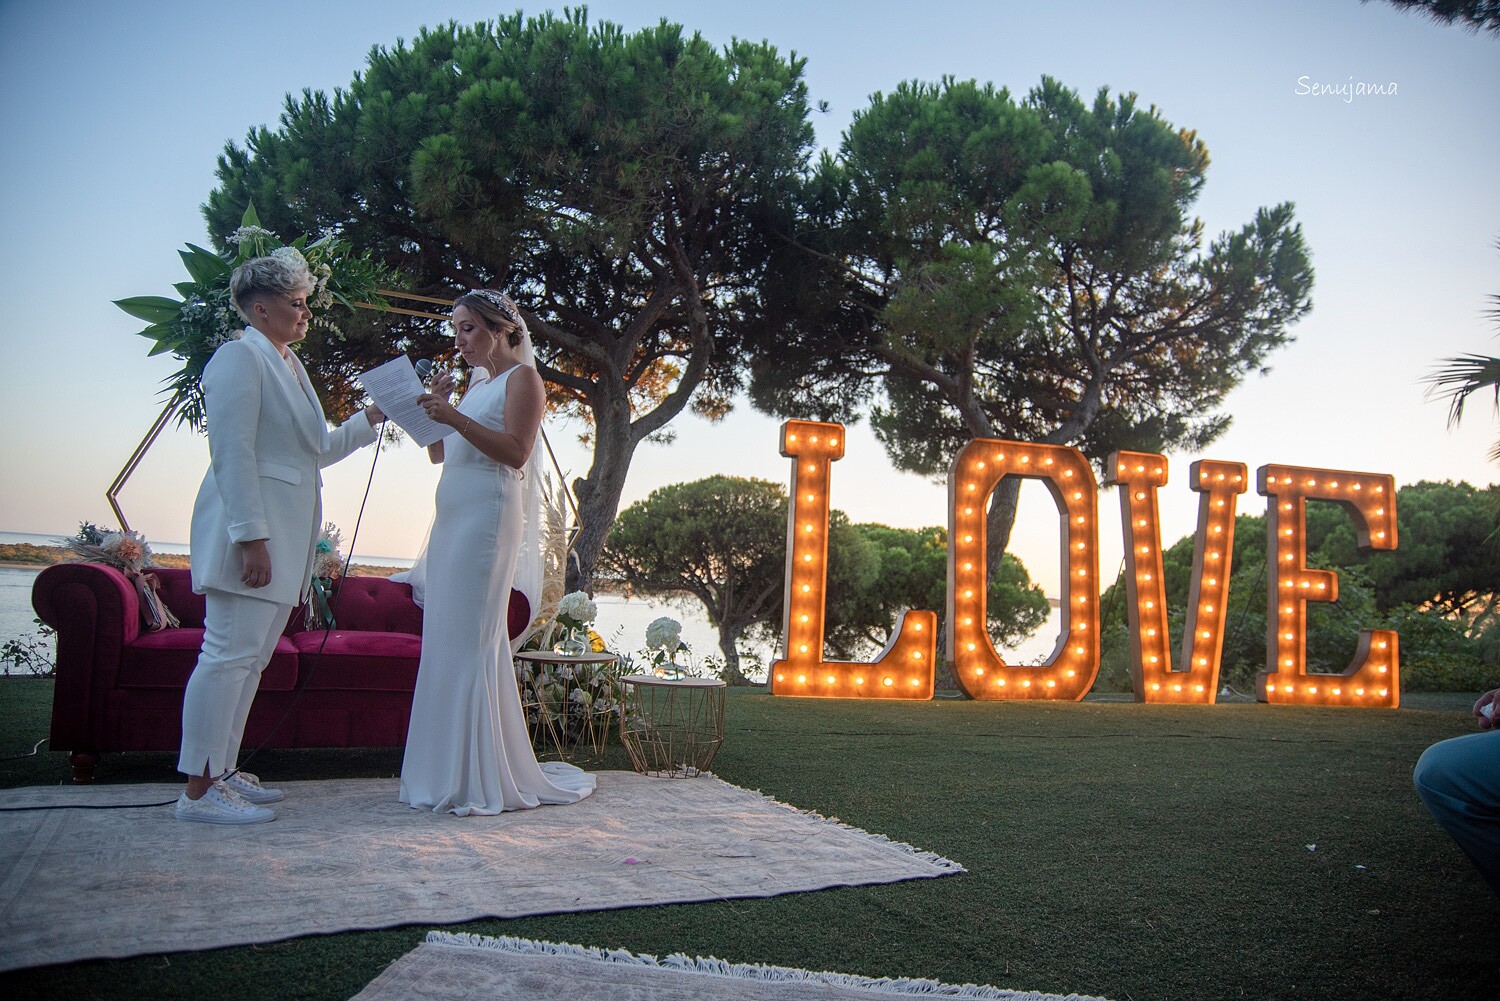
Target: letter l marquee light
[(906, 668)]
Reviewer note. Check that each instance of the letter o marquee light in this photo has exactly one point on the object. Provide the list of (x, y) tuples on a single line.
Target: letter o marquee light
[(977, 667)]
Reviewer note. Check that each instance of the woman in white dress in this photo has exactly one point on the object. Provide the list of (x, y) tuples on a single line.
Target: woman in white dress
[(467, 748)]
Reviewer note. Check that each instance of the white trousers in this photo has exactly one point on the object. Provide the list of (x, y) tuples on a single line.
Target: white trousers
[(239, 636)]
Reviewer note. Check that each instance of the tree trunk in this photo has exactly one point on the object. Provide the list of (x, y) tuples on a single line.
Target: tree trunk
[(598, 493), (728, 636), (999, 522), (616, 435)]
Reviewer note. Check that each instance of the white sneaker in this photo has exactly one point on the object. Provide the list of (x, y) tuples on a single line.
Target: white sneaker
[(250, 789), (221, 805)]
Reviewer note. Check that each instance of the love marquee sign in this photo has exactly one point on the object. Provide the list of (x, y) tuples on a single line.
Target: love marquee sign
[(906, 668)]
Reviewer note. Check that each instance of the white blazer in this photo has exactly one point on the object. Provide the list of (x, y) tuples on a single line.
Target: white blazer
[(267, 439)]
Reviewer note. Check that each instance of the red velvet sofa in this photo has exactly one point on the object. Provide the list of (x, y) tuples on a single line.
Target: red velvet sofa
[(120, 689)]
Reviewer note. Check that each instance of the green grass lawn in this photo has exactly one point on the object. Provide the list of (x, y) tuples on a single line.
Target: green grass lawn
[(1131, 851)]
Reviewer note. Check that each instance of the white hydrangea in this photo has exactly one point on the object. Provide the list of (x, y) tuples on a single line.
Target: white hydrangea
[(579, 607), (664, 633), (244, 233)]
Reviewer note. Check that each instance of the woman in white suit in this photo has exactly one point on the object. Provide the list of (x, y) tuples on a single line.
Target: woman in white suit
[(255, 526)]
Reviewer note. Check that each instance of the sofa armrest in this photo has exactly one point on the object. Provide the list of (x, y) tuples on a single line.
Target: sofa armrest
[(95, 611)]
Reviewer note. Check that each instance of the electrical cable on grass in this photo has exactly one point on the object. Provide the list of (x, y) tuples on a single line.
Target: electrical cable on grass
[(29, 754)]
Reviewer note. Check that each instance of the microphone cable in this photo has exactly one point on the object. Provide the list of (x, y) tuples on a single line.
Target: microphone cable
[(317, 657)]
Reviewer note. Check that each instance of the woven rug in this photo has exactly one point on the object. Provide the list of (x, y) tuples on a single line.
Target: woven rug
[(475, 967), (345, 855)]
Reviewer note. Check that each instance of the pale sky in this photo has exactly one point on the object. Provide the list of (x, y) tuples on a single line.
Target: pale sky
[(112, 114)]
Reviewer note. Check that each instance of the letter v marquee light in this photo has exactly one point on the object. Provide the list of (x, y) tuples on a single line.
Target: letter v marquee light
[(1139, 475)]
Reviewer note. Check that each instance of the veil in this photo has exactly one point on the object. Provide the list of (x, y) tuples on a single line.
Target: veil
[(529, 561)]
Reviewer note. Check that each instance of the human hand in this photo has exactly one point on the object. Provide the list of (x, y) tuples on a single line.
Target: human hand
[(443, 383), (256, 559), (1487, 708), (438, 408), (374, 414)]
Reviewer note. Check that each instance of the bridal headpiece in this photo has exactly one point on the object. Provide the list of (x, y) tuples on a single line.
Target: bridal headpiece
[(504, 303)]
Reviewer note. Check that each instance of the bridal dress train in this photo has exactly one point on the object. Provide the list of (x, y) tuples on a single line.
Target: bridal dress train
[(467, 748)]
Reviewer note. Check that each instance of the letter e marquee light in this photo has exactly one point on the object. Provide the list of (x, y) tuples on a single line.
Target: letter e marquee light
[(1372, 679), (905, 669)]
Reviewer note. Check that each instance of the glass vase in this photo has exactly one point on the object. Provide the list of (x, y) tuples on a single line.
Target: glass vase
[(571, 643)]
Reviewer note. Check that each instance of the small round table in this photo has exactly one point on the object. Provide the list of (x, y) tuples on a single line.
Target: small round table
[(549, 723), (672, 726)]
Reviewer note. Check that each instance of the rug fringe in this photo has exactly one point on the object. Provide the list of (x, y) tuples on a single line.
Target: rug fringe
[(681, 963), (931, 858)]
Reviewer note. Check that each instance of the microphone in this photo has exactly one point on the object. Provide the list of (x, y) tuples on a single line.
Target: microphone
[(424, 369)]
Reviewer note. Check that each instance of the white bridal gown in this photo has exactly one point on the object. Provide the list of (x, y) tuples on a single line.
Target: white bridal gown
[(467, 749)]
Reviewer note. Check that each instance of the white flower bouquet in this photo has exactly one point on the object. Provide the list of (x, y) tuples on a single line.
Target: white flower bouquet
[(570, 634), (663, 642), (664, 633), (576, 610)]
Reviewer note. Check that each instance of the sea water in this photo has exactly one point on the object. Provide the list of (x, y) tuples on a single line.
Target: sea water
[(622, 621)]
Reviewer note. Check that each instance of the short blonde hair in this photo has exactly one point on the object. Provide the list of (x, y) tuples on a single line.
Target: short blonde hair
[(281, 273)]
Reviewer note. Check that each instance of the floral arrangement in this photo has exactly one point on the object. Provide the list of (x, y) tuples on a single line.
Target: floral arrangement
[(664, 634), (570, 633), (126, 551), (570, 702), (328, 561), (328, 566), (193, 326), (129, 553), (663, 641), (667, 656), (577, 610)]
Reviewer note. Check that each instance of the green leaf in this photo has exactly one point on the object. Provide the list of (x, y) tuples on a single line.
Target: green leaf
[(159, 331), (186, 289), (159, 348), (250, 218), (204, 265), (151, 308)]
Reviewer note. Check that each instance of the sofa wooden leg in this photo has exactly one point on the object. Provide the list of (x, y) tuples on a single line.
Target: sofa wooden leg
[(83, 763)]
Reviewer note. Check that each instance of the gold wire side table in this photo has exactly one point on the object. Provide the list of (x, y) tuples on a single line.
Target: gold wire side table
[(569, 699), (672, 727)]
